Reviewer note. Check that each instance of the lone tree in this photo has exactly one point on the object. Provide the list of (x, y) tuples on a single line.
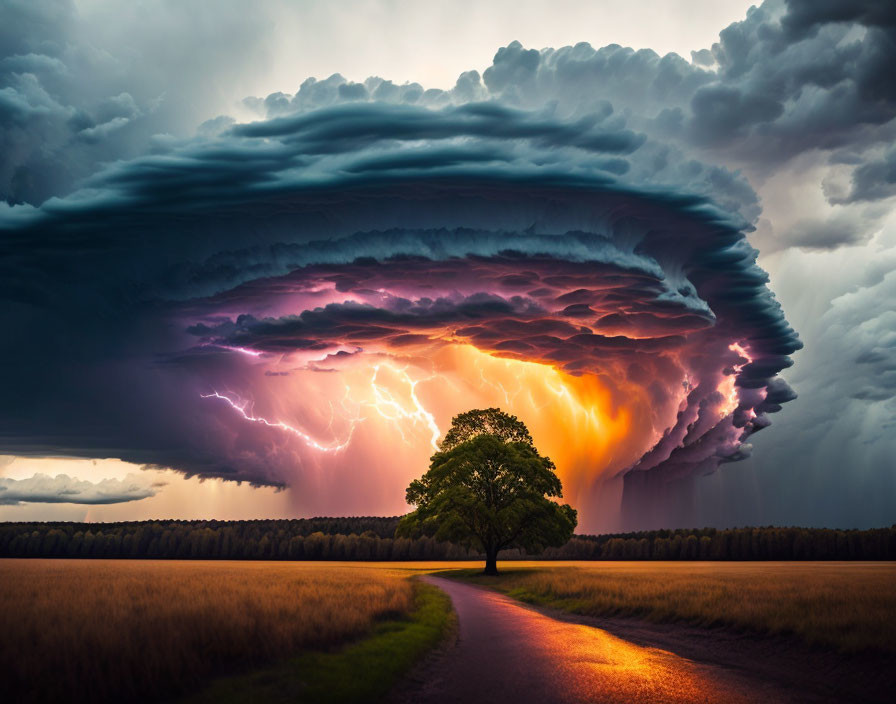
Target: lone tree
[(487, 488)]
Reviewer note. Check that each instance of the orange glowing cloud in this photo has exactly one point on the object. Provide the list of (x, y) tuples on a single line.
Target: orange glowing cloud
[(356, 371)]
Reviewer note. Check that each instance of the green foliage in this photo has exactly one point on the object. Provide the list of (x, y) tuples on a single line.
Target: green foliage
[(489, 489), (364, 671), (490, 421)]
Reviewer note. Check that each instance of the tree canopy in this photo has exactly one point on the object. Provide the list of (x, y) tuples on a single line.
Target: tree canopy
[(490, 421), (488, 488)]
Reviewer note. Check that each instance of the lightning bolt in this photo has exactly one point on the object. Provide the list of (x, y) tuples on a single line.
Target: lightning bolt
[(242, 350), (387, 403), (728, 387), (736, 347), (246, 351), (389, 407), (242, 406), (575, 406), (510, 397)]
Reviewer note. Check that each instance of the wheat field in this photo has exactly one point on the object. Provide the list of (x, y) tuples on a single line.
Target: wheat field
[(850, 606), (95, 630), (145, 630)]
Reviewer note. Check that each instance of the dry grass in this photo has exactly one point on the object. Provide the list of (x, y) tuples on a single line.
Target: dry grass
[(142, 630), (126, 630), (846, 605)]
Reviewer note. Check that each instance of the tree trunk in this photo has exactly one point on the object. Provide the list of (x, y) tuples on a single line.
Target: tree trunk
[(491, 561)]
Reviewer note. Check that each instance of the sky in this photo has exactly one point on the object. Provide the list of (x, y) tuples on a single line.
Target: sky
[(253, 263)]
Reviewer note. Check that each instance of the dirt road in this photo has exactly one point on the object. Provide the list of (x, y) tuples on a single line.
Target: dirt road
[(507, 652)]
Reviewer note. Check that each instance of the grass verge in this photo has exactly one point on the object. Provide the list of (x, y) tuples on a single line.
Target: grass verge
[(847, 607), (363, 671)]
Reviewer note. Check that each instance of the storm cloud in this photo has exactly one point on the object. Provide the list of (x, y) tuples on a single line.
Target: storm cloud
[(484, 226), (209, 302)]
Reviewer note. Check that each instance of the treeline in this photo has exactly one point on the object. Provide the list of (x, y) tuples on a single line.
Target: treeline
[(367, 538), (766, 543), (372, 538)]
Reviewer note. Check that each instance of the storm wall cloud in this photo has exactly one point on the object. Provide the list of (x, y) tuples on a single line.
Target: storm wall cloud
[(486, 227), (565, 234)]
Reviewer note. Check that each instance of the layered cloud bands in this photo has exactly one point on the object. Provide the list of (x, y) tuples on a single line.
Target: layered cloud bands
[(307, 300)]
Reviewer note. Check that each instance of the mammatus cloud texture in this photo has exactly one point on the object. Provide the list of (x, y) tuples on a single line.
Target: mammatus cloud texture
[(304, 300)]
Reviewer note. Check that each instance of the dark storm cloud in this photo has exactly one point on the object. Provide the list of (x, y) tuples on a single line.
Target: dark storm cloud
[(47, 130), (827, 460), (575, 155), (387, 196), (366, 142), (784, 80), (220, 217), (587, 317), (790, 79), (354, 127), (806, 15), (85, 85), (286, 173), (352, 323), (798, 76), (530, 314), (873, 180)]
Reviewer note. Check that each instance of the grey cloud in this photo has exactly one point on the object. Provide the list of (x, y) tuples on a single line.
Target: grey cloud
[(843, 228), (347, 128), (111, 114), (773, 93), (354, 143), (790, 77), (703, 57), (31, 63), (829, 77), (85, 85), (722, 113), (469, 88), (805, 15), (59, 489), (862, 327), (873, 180), (828, 460), (215, 126), (314, 94)]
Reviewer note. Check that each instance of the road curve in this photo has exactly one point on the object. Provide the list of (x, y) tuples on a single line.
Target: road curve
[(508, 652)]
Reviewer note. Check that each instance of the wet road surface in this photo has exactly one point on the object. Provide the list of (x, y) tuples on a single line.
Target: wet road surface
[(507, 652)]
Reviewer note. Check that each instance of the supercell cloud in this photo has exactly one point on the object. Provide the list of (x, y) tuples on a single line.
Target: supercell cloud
[(263, 304), (306, 299)]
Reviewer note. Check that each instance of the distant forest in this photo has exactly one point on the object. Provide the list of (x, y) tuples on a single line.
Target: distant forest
[(372, 538)]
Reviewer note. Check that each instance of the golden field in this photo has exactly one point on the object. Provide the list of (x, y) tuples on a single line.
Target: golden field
[(120, 630), (95, 630), (850, 606)]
